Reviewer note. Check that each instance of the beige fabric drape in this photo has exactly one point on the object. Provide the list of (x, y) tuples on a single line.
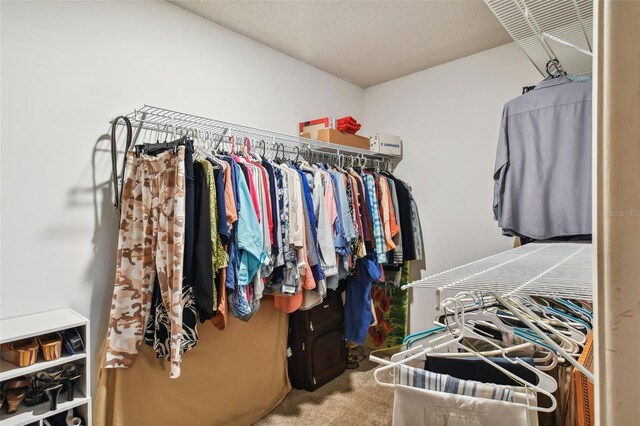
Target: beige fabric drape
[(617, 211), (232, 377)]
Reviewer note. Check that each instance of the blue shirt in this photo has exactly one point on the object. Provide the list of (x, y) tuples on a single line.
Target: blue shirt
[(223, 227), (357, 306), (340, 241), (232, 268), (542, 176), (249, 234), (318, 273), (378, 231), (275, 248)]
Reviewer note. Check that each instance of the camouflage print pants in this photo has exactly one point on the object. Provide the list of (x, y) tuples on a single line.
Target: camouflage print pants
[(151, 240)]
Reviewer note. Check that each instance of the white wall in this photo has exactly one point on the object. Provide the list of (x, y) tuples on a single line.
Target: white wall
[(69, 67), (448, 117)]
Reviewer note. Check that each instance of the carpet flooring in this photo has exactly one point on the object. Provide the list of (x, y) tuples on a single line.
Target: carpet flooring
[(354, 398)]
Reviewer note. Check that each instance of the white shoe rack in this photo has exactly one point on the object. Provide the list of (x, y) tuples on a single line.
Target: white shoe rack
[(27, 326)]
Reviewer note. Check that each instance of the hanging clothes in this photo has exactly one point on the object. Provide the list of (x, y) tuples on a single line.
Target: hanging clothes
[(417, 406), (542, 175), (358, 316), (153, 189), (205, 291), (250, 249), (158, 327), (249, 228)]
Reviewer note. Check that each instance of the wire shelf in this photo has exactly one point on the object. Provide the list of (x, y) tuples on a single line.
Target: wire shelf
[(542, 269), (546, 30), (163, 120)]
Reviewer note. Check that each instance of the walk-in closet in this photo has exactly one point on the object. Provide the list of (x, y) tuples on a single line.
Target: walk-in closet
[(244, 212)]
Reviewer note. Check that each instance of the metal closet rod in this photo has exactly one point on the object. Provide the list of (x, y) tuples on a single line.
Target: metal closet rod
[(160, 119)]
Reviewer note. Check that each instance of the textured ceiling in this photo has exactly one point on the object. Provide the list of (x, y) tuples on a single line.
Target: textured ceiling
[(364, 42)]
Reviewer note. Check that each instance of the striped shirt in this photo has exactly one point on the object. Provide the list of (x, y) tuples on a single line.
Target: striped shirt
[(419, 378), (378, 230)]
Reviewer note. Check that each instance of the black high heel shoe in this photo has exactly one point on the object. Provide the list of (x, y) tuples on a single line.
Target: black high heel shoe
[(71, 375), (70, 386), (52, 393), (45, 386), (48, 385)]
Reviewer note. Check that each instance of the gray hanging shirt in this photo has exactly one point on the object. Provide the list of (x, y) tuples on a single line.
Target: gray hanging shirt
[(542, 177)]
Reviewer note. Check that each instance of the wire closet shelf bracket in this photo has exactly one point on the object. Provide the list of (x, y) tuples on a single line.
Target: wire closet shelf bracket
[(216, 132)]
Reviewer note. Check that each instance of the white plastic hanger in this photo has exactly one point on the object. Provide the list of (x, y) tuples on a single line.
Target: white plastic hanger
[(576, 338), (568, 357), (492, 319), (554, 319), (546, 384)]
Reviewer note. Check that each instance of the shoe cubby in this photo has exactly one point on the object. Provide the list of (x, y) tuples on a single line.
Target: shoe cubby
[(71, 417), (57, 369)]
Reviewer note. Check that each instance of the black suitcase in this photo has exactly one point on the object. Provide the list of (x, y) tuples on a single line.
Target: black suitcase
[(317, 350)]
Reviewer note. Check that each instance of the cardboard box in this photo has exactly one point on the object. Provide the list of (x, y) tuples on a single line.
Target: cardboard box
[(386, 144), (312, 127), (343, 138)]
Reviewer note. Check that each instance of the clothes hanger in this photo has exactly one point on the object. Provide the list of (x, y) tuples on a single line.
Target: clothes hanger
[(478, 302), (154, 147), (202, 148), (572, 310), (286, 160), (340, 160), (415, 337), (571, 358), (263, 144), (545, 364), (485, 317), (573, 320), (249, 151), (557, 318), (211, 152), (570, 304), (546, 384), (245, 148), (194, 136), (297, 157), (489, 318), (310, 154), (278, 159), (216, 149), (559, 69), (544, 326), (575, 334), (305, 165), (232, 147)]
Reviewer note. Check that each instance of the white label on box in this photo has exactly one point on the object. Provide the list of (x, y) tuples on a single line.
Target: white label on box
[(389, 144)]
